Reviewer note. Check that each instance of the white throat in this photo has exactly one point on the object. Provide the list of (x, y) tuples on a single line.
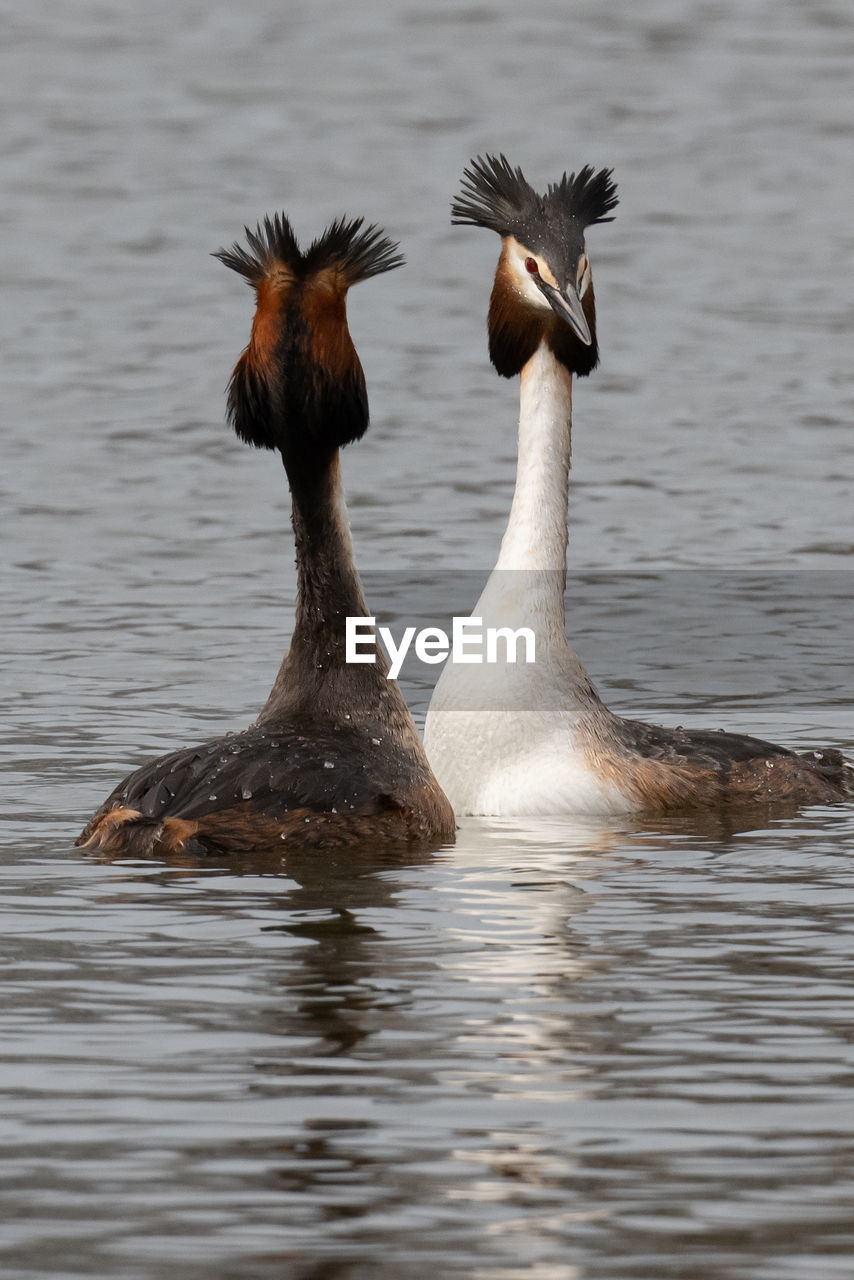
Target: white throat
[(536, 535), (529, 578)]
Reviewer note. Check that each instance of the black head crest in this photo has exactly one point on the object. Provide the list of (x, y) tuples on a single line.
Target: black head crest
[(358, 252), (586, 196), (346, 246), (271, 244), (496, 196)]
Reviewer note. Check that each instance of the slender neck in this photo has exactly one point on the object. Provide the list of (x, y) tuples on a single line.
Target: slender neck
[(314, 669), (526, 587), (328, 585), (536, 535), (315, 680)]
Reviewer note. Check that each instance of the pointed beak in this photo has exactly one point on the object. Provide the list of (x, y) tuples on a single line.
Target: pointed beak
[(568, 306)]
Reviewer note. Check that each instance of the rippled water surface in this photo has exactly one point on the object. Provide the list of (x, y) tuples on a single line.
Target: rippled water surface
[(563, 1050)]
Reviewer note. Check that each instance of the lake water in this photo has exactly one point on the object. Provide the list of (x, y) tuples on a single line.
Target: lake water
[(561, 1050)]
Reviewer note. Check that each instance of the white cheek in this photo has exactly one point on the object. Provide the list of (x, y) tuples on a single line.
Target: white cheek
[(527, 287), (585, 280)]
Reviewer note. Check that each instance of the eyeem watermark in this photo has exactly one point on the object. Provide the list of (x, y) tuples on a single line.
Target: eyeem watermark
[(468, 642)]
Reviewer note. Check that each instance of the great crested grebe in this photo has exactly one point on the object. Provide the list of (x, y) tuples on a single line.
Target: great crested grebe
[(334, 758), (537, 739)]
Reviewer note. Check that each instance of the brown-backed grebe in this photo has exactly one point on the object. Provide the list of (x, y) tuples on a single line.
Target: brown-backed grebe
[(334, 758), (537, 739)]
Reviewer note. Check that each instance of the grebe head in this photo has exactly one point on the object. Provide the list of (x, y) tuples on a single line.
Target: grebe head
[(543, 287), (299, 386)]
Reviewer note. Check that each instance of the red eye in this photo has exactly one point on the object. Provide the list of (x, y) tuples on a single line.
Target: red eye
[(531, 265)]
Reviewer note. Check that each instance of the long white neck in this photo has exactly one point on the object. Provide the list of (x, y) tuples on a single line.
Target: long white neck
[(531, 567), (536, 535)]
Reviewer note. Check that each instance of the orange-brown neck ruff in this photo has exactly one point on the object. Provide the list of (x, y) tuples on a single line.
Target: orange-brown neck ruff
[(325, 397), (271, 296), (516, 327), (299, 385), (251, 398), (324, 309)]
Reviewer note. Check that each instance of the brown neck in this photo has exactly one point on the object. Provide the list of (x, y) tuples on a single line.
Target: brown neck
[(328, 585), (315, 680)]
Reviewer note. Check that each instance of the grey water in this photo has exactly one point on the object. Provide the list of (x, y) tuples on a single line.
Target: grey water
[(560, 1049)]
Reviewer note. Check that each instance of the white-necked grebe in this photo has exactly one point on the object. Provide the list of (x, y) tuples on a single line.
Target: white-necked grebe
[(537, 739)]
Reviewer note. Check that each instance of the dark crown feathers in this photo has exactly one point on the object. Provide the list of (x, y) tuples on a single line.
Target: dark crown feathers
[(498, 197), (358, 252)]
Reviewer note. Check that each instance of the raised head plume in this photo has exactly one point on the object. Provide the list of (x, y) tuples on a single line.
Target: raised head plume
[(498, 197), (586, 196), (299, 386), (271, 245), (495, 196), (344, 246), (358, 254)]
